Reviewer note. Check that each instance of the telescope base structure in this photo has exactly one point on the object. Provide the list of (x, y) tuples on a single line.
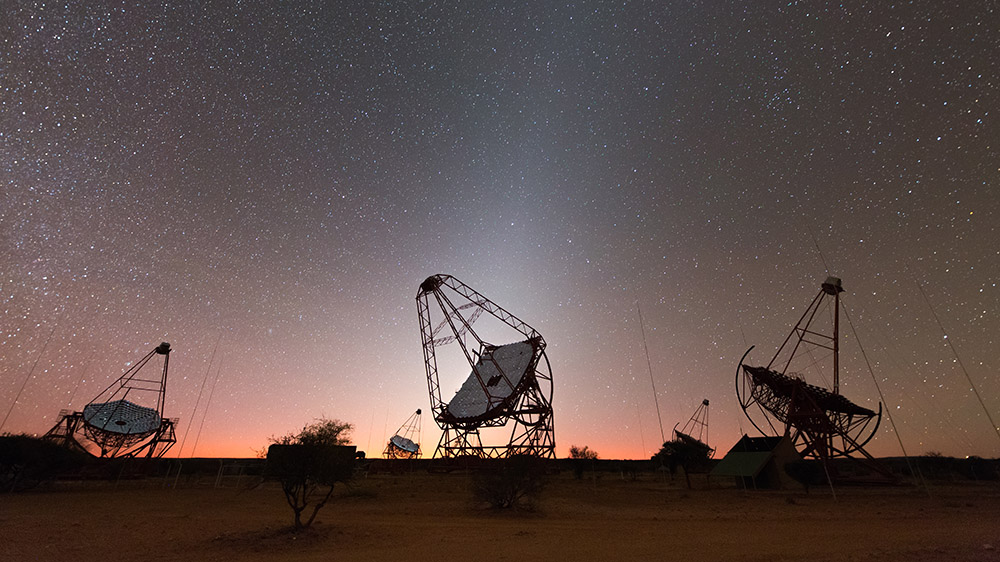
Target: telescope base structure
[(457, 442), (821, 425), (529, 418)]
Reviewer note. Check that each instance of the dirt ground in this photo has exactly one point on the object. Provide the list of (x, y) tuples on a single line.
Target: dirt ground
[(421, 516)]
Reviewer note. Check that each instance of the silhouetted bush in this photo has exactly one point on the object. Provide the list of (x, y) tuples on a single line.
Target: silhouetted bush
[(938, 467), (628, 469), (581, 458), (692, 456), (309, 464), (27, 461), (978, 468), (514, 482)]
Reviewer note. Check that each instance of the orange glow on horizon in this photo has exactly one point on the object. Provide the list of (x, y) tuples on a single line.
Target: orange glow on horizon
[(225, 449)]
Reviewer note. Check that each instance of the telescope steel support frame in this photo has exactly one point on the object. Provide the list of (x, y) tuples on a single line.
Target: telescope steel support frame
[(820, 423), (73, 431), (529, 406)]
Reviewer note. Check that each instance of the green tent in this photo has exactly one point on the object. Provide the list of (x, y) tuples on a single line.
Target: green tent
[(758, 462)]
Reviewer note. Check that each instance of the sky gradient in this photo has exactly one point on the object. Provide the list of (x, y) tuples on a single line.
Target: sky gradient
[(270, 183)]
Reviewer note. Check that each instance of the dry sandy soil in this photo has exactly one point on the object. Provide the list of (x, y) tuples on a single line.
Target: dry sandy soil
[(421, 516)]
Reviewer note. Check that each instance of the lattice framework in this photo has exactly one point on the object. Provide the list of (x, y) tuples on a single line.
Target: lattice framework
[(821, 423), (526, 407), (112, 425)]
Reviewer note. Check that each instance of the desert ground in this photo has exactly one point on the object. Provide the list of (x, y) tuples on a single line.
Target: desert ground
[(430, 516)]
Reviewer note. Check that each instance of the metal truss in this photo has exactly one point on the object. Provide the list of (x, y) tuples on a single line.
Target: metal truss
[(74, 431), (821, 423), (527, 409)]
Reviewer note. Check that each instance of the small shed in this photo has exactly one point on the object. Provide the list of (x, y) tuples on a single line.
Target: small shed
[(759, 462)]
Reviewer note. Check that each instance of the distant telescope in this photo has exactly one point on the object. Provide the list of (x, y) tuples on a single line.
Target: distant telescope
[(405, 444), (113, 425)]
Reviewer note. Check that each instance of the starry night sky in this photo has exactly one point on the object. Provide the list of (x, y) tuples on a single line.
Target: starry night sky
[(270, 182)]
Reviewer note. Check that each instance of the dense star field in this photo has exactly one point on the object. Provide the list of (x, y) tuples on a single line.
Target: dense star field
[(265, 186)]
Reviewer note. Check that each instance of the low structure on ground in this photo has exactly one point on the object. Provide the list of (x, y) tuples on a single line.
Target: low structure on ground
[(759, 462)]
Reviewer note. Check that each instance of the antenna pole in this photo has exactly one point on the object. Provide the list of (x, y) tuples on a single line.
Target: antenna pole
[(836, 342), (649, 365), (958, 359), (30, 373)]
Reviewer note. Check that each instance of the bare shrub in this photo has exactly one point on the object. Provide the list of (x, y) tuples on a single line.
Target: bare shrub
[(27, 461), (308, 465), (581, 457), (514, 482), (692, 456)]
